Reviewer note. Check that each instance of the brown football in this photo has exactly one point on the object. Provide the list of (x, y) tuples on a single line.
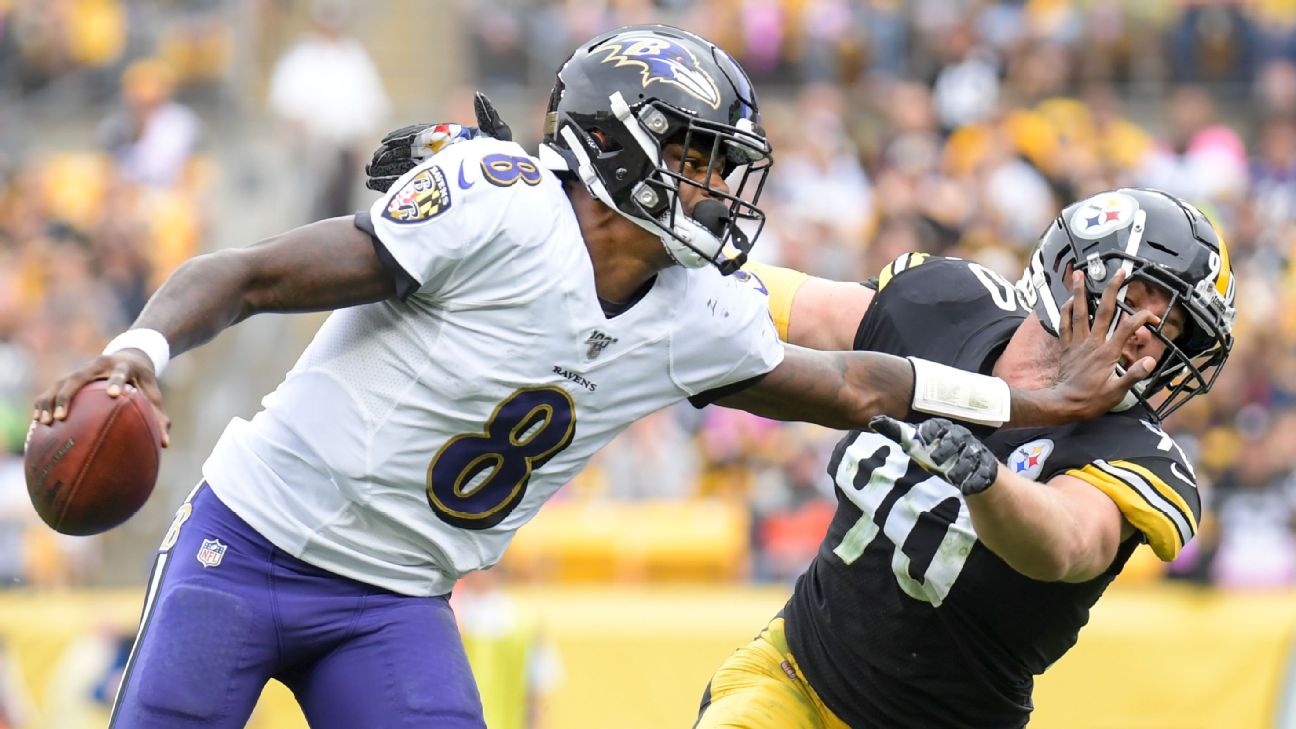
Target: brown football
[(92, 471)]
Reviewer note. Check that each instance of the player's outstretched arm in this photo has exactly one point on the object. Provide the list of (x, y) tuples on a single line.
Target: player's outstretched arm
[(1068, 531), (846, 389), (326, 265)]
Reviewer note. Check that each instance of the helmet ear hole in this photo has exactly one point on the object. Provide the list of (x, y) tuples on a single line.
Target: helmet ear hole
[(609, 145)]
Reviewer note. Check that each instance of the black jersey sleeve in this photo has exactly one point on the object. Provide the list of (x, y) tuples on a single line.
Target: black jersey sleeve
[(900, 264), (946, 310), (1128, 457), (1155, 494), (405, 283)]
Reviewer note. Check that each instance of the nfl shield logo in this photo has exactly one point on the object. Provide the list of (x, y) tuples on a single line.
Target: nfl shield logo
[(598, 342), (211, 553)]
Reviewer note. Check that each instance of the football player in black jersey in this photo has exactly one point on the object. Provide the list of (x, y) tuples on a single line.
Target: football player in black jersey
[(957, 569)]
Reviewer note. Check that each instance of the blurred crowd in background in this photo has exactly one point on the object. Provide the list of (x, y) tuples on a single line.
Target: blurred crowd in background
[(950, 127)]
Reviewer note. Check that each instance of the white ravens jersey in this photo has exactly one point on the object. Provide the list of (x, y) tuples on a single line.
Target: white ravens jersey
[(414, 435)]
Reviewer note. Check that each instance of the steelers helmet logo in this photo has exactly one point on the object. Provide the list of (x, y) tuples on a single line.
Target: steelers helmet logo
[(1101, 215)]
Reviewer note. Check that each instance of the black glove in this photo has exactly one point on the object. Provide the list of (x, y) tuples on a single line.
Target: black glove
[(944, 449), (406, 148), (489, 123)]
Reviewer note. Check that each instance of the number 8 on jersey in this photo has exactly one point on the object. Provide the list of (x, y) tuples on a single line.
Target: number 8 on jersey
[(477, 479)]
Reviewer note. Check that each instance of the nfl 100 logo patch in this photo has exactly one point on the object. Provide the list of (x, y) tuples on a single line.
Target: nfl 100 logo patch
[(598, 341), (211, 553)]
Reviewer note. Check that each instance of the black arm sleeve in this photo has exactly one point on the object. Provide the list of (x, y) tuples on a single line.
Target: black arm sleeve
[(405, 283), (706, 397)]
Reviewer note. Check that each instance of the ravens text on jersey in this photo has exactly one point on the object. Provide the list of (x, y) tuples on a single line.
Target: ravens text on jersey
[(905, 619)]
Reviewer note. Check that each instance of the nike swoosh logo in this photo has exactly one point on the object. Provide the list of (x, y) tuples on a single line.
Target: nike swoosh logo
[(464, 184), (1174, 468)]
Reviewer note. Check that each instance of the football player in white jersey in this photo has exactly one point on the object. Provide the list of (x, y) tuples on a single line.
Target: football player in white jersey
[(497, 318)]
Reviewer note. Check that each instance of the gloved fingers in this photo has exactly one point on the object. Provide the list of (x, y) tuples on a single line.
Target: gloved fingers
[(934, 429), (944, 450), (964, 466), (405, 132), (489, 122), (976, 469), (381, 183), (388, 167), (943, 439), (897, 430), (394, 152)]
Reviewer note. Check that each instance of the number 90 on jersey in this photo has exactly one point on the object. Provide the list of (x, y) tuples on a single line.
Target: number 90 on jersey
[(478, 479)]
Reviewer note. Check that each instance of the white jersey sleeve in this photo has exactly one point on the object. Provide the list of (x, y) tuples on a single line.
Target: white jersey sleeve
[(738, 339), (439, 213)]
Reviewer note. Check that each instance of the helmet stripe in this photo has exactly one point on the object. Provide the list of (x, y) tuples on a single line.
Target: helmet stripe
[(1224, 282)]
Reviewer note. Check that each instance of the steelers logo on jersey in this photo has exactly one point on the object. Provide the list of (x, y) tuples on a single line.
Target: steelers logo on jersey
[(422, 198), (1102, 214), (1028, 460)]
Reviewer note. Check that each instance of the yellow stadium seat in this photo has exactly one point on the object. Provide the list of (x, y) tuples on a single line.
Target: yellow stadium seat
[(75, 185), (657, 540), (96, 31)]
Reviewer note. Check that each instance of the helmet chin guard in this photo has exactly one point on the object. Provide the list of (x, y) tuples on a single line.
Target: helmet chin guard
[(694, 241)]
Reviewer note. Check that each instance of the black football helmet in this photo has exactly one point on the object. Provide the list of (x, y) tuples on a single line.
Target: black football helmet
[(622, 97), (1165, 241)]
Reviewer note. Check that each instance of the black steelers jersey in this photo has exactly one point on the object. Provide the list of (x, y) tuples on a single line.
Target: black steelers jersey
[(905, 619)]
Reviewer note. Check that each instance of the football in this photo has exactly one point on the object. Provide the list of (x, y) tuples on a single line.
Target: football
[(92, 471)]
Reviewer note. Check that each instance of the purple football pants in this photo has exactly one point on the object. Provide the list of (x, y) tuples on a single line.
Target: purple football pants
[(226, 611)]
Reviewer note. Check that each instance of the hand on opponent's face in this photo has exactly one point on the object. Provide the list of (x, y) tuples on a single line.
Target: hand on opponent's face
[(1088, 383)]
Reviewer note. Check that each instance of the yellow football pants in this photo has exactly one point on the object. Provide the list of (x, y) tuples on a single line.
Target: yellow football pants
[(761, 687)]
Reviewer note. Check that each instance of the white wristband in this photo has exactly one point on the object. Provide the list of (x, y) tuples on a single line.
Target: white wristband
[(961, 395), (149, 341)]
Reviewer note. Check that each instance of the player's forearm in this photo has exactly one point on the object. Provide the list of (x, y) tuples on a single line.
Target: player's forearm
[(847, 389), (1032, 528), (1043, 408), (322, 266), (872, 384), (834, 389), (200, 299)]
